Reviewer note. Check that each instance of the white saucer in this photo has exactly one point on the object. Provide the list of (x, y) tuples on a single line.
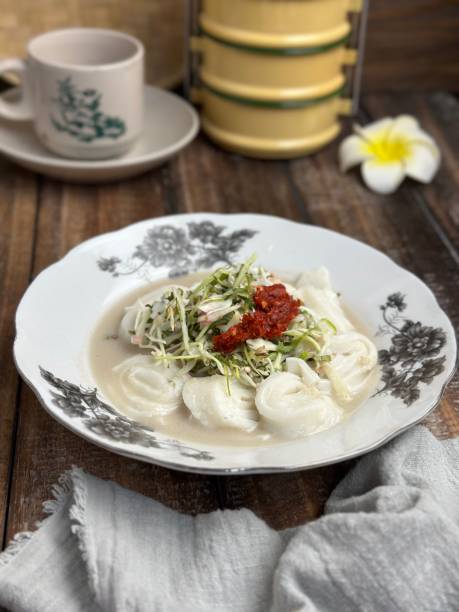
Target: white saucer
[(170, 124)]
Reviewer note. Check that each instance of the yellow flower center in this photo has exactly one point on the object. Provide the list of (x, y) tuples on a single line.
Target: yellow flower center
[(387, 150)]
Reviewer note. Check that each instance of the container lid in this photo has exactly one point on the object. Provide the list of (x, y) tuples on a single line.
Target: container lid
[(276, 41), (275, 102), (273, 94), (269, 148), (279, 51)]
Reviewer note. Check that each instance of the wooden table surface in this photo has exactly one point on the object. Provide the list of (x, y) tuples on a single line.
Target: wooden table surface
[(42, 219)]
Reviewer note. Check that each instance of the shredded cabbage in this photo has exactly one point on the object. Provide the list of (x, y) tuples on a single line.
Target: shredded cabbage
[(179, 326)]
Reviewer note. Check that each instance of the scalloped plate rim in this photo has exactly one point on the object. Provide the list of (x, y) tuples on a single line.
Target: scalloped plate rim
[(121, 449)]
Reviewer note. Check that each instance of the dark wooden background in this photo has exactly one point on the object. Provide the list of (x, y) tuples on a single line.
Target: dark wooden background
[(412, 46), (42, 219)]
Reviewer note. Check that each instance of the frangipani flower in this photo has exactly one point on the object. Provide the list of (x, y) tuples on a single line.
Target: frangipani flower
[(389, 150)]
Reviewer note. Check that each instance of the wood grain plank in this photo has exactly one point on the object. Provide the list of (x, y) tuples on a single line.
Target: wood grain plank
[(204, 178), (18, 199), (438, 113), (283, 500), (412, 45), (69, 214)]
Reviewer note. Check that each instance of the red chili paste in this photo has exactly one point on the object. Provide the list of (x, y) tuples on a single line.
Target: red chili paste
[(274, 309)]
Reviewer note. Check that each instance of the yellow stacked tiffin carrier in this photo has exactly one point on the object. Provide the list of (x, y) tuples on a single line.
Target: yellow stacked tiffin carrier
[(271, 73)]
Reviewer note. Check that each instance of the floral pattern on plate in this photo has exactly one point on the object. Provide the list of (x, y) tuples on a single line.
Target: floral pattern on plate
[(412, 358), (183, 249), (100, 418), (415, 339)]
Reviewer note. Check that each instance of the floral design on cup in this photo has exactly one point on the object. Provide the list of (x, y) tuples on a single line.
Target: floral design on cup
[(80, 114), (413, 357), (100, 418), (182, 249)]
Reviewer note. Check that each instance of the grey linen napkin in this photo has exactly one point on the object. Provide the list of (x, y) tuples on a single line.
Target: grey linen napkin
[(389, 540)]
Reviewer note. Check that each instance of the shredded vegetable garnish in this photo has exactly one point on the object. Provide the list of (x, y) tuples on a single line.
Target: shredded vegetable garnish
[(184, 325), (275, 308)]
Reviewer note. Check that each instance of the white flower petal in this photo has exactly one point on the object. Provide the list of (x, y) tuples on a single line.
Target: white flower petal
[(382, 177), (390, 149), (407, 127), (421, 137), (352, 152), (376, 128), (423, 163), (404, 124)]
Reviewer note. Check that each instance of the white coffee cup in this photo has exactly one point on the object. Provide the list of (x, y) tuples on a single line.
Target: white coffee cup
[(83, 89)]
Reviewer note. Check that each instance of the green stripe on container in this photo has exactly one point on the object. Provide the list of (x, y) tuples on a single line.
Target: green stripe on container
[(281, 51), (274, 103)]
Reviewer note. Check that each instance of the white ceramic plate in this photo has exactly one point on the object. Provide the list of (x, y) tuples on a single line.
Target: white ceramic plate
[(58, 312), (170, 124)]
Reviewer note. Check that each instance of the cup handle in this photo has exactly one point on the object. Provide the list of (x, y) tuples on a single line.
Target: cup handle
[(22, 109)]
